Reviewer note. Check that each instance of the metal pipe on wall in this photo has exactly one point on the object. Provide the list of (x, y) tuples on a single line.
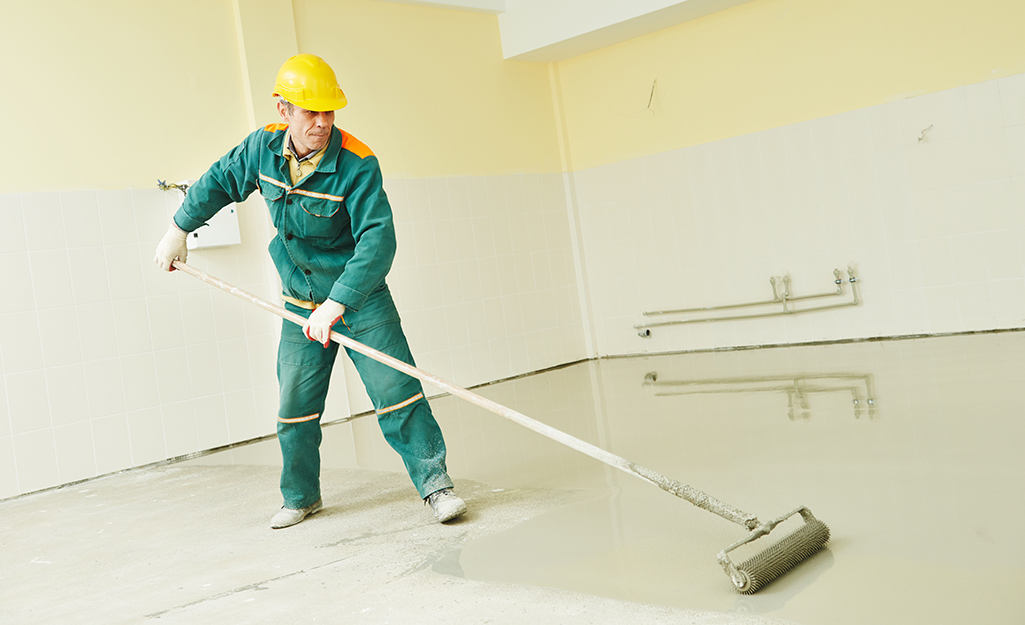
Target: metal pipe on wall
[(644, 330), (776, 299)]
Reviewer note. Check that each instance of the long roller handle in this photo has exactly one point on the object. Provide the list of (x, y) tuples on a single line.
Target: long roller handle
[(694, 496)]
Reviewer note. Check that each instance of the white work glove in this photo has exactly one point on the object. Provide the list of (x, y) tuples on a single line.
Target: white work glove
[(318, 326), (170, 247)]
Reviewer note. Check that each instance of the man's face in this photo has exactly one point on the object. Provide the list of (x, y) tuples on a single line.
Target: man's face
[(310, 130)]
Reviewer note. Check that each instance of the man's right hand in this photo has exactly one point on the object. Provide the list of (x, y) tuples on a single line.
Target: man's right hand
[(172, 246)]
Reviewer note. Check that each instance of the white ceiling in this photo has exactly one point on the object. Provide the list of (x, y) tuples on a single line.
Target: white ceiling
[(478, 6), (555, 30)]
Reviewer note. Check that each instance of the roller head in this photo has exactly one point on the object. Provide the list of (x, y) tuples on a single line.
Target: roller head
[(781, 556)]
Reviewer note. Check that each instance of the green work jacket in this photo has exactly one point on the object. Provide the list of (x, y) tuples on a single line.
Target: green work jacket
[(335, 236)]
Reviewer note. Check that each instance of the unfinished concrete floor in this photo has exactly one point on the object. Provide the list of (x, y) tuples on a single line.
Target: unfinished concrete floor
[(191, 544), (909, 450)]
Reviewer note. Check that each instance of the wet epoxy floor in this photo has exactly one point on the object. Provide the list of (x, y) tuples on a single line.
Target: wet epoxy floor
[(910, 450)]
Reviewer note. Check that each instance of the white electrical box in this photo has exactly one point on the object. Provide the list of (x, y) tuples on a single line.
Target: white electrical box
[(221, 229)]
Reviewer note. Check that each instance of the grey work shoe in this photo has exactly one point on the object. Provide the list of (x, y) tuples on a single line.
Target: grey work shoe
[(288, 516), (445, 504)]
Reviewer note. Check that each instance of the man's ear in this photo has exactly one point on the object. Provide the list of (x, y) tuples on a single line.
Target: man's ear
[(283, 111)]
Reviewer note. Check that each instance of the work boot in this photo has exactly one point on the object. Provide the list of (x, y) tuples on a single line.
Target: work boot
[(288, 516), (445, 504)]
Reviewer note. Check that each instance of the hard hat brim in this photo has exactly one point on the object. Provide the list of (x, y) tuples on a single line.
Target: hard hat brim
[(317, 105)]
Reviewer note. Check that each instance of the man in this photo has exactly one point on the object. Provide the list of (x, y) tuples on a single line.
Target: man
[(334, 246)]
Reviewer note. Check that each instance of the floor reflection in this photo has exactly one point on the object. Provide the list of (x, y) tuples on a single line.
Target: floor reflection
[(922, 488), (921, 495), (797, 389)]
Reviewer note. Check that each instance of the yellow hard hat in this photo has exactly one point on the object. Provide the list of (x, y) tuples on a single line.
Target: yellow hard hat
[(308, 82)]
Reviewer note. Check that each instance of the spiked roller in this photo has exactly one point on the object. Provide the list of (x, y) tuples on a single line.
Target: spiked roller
[(776, 558)]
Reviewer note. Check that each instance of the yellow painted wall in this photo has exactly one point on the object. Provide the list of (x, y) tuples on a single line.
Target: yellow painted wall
[(428, 89), (109, 94), (769, 63)]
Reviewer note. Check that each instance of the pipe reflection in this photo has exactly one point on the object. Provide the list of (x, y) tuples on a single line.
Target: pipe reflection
[(797, 389)]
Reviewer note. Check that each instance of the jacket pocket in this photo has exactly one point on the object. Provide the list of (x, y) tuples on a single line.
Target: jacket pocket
[(273, 196), (321, 218)]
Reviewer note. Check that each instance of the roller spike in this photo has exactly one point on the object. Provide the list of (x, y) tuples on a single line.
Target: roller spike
[(781, 556)]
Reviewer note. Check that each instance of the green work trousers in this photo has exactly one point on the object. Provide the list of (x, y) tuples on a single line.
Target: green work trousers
[(405, 418)]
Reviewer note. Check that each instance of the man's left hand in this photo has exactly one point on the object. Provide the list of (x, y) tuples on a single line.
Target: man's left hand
[(318, 326)]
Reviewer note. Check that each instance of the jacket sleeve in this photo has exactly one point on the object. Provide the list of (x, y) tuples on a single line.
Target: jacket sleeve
[(374, 233), (231, 179)]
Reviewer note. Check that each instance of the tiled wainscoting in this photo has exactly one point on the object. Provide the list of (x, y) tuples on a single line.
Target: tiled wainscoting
[(924, 198), (107, 363)]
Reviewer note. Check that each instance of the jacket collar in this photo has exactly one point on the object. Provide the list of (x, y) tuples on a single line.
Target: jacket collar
[(328, 164)]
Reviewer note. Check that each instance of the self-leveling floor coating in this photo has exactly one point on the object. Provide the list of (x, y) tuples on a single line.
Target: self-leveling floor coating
[(909, 450)]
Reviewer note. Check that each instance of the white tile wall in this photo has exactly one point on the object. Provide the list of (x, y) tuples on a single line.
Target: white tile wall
[(113, 364), (112, 443), (211, 421), (106, 363), (934, 227), (146, 436), (35, 456), (28, 401), (8, 468), (483, 277), (67, 387), (76, 456)]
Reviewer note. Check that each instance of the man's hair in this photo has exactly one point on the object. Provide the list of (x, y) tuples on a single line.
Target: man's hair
[(288, 105)]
